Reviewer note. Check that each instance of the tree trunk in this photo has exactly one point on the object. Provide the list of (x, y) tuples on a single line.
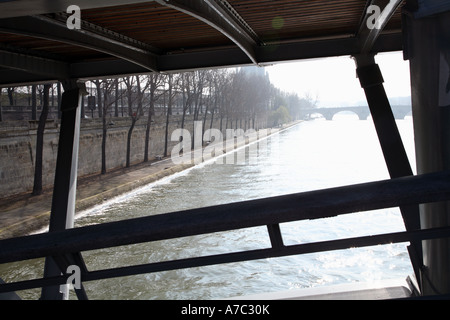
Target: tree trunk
[(99, 98), (53, 96), (134, 118), (59, 89), (104, 145), (169, 112), (184, 110), (103, 109), (130, 100), (204, 122), (166, 142), (206, 113), (149, 122), (33, 103), (10, 96), (37, 187), (213, 111), (82, 107), (116, 101), (130, 133), (147, 135)]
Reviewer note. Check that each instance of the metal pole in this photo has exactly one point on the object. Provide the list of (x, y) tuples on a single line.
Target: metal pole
[(64, 189), (397, 162)]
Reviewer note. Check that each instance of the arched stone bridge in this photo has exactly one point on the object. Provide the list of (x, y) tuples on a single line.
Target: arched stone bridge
[(363, 112)]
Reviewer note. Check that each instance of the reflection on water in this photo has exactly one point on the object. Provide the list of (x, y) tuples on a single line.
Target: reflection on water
[(313, 155)]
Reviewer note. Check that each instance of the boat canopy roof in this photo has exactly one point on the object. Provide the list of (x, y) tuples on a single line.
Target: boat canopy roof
[(42, 40)]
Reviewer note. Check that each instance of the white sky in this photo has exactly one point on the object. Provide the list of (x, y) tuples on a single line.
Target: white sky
[(334, 82)]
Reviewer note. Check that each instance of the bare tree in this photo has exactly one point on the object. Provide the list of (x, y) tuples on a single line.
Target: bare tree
[(224, 102), (208, 101), (238, 93), (258, 96), (311, 99), (293, 101), (198, 86), (137, 112), (154, 82), (98, 84), (116, 100), (33, 103), (10, 95), (37, 186), (59, 93), (105, 88), (188, 94), (219, 89), (172, 86), (131, 82)]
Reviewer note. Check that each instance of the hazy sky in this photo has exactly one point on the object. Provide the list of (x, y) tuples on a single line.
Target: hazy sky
[(334, 80)]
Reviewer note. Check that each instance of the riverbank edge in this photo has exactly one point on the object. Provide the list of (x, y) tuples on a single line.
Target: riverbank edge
[(37, 217)]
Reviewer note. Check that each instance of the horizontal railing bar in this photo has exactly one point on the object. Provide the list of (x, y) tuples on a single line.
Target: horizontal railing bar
[(306, 248), (300, 206), (33, 283)]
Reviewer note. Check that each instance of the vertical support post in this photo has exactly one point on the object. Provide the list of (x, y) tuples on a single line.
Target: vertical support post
[(397, 162), (64, 188), (276, 238), (427, 47)]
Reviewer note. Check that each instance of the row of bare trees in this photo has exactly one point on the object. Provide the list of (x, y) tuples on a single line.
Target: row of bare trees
[(237, 97), (30, 96), (240, 98)]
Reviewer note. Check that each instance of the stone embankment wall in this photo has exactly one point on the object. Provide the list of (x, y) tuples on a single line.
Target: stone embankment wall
[(18, 142)]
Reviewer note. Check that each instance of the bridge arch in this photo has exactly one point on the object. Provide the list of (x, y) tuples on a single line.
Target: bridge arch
[(329, 113), (363, 112), (347, 114), (314, 116)]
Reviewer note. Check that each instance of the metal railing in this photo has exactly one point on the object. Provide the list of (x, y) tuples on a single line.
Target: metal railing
[(65, 247)]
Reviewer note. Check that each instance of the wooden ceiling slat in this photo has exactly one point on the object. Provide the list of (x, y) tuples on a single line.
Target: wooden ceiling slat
[(171, 31)]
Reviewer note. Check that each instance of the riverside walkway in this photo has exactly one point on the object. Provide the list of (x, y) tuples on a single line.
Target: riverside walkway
[(23, 214)]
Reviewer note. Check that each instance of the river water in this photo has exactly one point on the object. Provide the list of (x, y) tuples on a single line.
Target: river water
[(311, 155)]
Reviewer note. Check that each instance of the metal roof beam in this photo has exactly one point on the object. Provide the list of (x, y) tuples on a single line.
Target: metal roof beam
[(225, 57), (34, 64), (221, 16), (375, 18), (270, 54), (229, 57), (20, 8), (99, 39), (16, 78)]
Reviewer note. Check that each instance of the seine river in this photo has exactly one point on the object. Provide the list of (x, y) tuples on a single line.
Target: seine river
[(311, 155)]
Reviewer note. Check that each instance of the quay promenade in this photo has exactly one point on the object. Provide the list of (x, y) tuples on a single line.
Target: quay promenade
[(24, 214)]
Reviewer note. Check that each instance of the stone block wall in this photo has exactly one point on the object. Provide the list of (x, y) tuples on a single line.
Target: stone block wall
[(18, 143)]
